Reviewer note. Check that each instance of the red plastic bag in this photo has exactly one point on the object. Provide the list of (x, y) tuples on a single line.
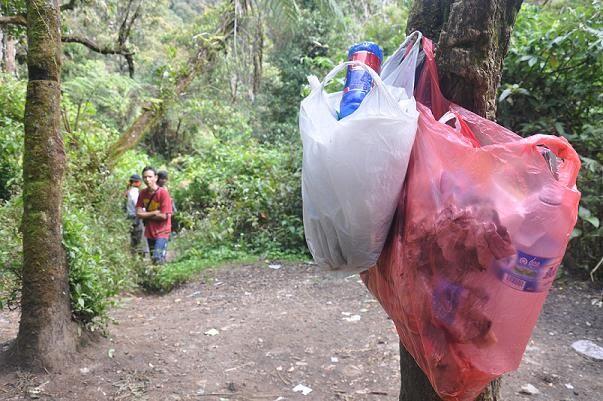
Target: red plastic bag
[(480, 230)]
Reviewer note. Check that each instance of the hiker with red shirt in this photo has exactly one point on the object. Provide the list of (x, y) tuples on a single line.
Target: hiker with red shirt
[(154, 207)]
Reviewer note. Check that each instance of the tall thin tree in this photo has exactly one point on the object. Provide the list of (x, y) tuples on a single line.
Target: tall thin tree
[(46, 333)]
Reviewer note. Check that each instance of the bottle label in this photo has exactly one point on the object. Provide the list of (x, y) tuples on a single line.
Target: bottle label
[(528, 273), (357, 78)]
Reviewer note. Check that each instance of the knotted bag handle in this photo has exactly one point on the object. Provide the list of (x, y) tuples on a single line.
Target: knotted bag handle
[(377, 81)]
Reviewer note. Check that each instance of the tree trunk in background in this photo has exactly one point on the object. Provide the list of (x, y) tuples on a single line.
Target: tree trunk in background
[(46, 333), (1, 50), (10, 52), (257, 54), (472, 39)]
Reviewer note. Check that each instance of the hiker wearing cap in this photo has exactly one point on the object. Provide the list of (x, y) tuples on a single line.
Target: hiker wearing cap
[(138, 244), (154, 207)]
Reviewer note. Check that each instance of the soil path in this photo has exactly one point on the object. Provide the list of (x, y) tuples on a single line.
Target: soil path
[(275, 329)]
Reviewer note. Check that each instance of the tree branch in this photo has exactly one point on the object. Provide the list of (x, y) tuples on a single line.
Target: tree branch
[(69, 6), (120, 48), (124, 33), (95, 47), (122, 36), (13, 20)]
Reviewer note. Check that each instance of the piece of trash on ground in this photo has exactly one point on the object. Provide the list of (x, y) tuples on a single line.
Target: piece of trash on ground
[(212, 332), (353, 318), (529, 389), (589, 349), (303, 389)]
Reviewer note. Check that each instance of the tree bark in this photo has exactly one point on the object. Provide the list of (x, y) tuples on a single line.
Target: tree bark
[(472, 38), (1, 49), (10, 52), (46, 335), (257, 55)]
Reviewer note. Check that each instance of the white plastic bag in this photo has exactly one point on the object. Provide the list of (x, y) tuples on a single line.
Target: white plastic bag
[(353, 171), (399, 69)]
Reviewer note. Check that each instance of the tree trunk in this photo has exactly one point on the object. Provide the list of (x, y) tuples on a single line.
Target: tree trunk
[(472, 38), (46, 333), (257, 54), (10, 52), (1, 50)]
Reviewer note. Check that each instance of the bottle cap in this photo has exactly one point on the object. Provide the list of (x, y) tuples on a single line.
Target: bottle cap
[(366, 46)]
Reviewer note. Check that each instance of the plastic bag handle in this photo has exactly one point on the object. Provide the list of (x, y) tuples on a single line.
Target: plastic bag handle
[(448, 116), (376, 80), (404, 60), (463, 128), (313, 82), (568, 171), (428, 90)]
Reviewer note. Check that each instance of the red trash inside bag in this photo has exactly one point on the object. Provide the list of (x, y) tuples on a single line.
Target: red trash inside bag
[(479, 233)]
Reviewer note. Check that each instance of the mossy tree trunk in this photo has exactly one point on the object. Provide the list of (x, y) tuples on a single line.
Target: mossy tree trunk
[(472, 39), (46, 333)]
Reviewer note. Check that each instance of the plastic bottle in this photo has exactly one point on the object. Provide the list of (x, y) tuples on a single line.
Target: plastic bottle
[(358, 82), (540, 242)]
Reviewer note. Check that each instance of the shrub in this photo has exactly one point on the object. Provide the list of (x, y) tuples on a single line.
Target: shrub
[(242, 193), (552, 84)]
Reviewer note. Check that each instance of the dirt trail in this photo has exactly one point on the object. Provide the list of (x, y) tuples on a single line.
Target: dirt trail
[(278, 328)]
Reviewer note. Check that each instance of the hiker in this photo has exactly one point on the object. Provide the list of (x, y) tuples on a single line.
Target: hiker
[(138, 243), (154, 207), (162, 179)]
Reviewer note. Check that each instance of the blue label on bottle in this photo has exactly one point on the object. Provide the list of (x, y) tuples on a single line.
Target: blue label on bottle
[(528, 273), (357, 78), (358, 81)]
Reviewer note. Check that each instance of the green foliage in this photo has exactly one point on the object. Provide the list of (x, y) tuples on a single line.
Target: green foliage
[(289, 63), (95, 233), (97, 94), (98, 263), (241, 193), (552, 84), (553, 69), (387, 27), (11, 253), (12, 107)]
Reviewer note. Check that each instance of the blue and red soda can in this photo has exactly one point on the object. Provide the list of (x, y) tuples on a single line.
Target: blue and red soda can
[(358, 82)]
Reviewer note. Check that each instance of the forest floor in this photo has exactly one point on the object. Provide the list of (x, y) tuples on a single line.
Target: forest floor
[(255, 333)]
